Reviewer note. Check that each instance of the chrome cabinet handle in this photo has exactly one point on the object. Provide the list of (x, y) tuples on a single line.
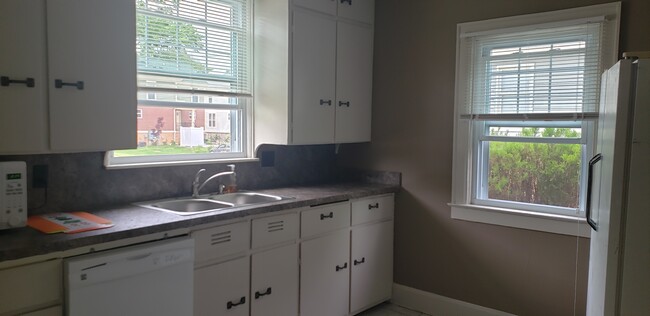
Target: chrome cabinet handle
[(258, 294), (345, 266), (590, 175), (58, 83), (6, 81), (371, 206), (328, 102), (358, 262), (242, 300), (347, 104)]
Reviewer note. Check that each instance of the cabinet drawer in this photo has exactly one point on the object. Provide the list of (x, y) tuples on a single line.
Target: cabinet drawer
[(31, 285), (221, 241), (274, 229), (325, 218), (372, 209)]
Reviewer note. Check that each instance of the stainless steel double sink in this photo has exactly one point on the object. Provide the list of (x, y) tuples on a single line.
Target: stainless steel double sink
[(219, 203)]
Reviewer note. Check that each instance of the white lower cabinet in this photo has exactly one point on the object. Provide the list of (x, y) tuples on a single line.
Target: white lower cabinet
[(371, 277), (222, 289), (274, 282), (27, 289), (325, 275), (222, 273), (341, 264)]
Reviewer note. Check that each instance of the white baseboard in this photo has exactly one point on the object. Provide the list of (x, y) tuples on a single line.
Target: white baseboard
[(434, 304)]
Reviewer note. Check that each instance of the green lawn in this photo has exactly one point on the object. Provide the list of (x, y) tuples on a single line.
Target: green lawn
[(161, 150)]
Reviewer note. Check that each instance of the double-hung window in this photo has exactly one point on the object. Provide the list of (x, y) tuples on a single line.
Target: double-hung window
[(527, 94), (194, 81)]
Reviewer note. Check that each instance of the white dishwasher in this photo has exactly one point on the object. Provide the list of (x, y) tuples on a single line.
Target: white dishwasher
[(154, 278)]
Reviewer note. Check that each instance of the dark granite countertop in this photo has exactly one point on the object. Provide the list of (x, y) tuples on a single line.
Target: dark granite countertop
[(133, 221)]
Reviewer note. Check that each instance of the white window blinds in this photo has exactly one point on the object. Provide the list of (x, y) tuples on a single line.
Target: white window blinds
[(539, 72), (194, 45)]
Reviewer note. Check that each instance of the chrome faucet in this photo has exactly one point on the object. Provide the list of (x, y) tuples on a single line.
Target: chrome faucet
[(196, 187)]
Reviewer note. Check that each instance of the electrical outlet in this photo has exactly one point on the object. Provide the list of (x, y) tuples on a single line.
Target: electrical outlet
[(40, 176)]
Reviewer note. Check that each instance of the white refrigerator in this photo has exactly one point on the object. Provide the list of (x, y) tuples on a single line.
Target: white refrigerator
[(618, 207)]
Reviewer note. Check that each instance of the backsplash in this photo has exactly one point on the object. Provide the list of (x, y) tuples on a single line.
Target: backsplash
[(79, 181)]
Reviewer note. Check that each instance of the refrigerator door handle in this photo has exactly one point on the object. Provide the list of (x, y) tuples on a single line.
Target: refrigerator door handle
[(590, 175)]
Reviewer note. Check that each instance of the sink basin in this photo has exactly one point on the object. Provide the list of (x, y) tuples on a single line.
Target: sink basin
[(243, 198), (186, 206), (220, 203)]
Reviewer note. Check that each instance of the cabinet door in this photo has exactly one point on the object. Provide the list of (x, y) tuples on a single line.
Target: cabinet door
[(325, 6), (313, 68), (358, 10), (23, 116), (274, 282), (353, 83), (222, 289), (34, 285), (324, 275), (372, 265), (92, 42)]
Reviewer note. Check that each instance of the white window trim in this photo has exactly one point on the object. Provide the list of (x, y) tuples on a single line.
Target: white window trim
[(462, 171), (112, 162), (246, 119), (586, 139)]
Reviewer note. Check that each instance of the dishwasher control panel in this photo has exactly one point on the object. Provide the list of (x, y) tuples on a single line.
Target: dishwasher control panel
[(13, 194)]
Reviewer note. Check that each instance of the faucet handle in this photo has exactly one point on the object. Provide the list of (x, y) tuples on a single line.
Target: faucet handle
[(232, 167)]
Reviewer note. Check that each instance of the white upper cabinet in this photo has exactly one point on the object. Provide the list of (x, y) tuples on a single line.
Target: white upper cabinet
[(313, 71), (325, 6), (87, 100), (353, 82), (92, 43), (314, 67), (23, 70), (358, 10)]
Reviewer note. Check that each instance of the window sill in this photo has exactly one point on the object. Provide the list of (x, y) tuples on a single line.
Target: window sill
[(557, 224), (176, 163)]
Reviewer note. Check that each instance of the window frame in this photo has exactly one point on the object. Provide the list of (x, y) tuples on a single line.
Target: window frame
[(480, 162), (240, 128), (463, 207), (241, 114)]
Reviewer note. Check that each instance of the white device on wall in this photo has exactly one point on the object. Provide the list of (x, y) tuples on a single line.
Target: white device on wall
[(13, 194)]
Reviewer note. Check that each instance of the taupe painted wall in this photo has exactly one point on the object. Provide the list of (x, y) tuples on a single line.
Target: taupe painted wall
[(517, 271)]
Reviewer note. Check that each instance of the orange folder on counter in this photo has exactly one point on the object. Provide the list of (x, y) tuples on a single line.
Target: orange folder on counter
[(69, 223)]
